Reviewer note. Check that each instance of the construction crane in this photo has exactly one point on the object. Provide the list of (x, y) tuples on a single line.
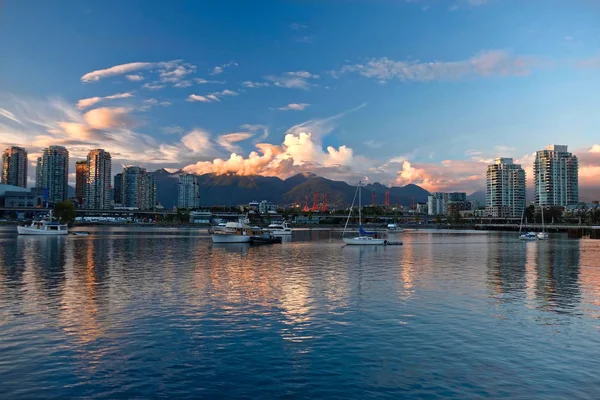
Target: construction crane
[(324, 204), (306, 209), (387, 198), (315, 206)]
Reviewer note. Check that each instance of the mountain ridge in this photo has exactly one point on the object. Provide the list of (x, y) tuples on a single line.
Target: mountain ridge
[(233, 190)]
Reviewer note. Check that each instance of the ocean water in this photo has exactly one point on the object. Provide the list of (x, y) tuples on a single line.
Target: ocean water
[(157, 313)]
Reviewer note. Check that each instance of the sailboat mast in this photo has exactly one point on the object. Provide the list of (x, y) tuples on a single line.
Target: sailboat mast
[(359, 203), (540, 202)]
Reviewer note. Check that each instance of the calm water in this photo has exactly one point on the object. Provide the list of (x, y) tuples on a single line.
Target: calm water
[(151, 314)]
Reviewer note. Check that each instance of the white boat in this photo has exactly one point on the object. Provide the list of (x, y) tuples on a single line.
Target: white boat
[(528, 236), (44, 227), (281, 229), (233, 232), (365, 238), (394, 227), (543, 235)]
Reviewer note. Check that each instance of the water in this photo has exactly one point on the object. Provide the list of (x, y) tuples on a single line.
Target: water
[(161, 313)]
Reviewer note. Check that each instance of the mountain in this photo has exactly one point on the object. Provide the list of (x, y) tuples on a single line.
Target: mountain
[(478, 196), (232, 190)]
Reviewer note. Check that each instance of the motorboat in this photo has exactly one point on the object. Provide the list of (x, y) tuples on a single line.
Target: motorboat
[(542, 235), (394, 227), (528, 236), (365, 238), (234, 232), (281, 229), (46, 227)]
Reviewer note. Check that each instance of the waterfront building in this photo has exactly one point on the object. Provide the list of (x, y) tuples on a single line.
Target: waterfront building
[(189, 191), (505, 189), (117, 189), (14, 167), (556, 177), (436, 203), (441, 203), (97, 189), (265, 207), (81, 172), (52, 173), (138, 189)]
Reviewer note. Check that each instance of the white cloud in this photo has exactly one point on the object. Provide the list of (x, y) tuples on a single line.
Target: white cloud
[(196, 97), (202, 81), (9, 115), (175, 74), (255, 128), (135, 77), (297, 26), (228, 141), (153, 86), (489, 63), (95, 76), (293, 80), (294, 107), (104, 118), (221, 68), (595, 149), (183, 84), (255, 85), (85, 103)]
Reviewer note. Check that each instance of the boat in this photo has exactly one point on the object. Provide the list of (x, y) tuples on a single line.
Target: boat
[(234, 232), (365, 238), (528, 236), (394, 227), (47, 227), (543, 235), (80, 233), (265, 239), (281, 229)]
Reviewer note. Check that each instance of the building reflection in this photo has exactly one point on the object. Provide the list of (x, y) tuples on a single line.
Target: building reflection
[(12, 270), (590, 277), (507, 264)]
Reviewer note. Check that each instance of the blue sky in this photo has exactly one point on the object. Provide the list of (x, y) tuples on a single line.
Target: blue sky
[(419, 91)]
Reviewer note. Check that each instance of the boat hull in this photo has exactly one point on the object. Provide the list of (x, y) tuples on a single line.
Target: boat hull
[(280, 233), (23, 230), (364, 242), (216, 238), (542, 236)]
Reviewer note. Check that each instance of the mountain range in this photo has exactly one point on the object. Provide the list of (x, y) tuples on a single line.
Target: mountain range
[(232, 190)]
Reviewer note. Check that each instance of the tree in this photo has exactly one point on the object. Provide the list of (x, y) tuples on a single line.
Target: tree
[(65, 212), (529, 213)]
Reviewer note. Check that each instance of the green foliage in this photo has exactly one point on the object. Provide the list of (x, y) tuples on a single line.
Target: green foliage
[(529, 213), (65, 212)]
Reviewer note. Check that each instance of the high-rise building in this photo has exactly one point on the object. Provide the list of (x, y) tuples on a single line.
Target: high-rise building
[(97, 192), (505, 189), (14, 167), (556, 177), (117, 189), (138, 188), (189, 191), (53, 173), (81, 173), (437, 204)]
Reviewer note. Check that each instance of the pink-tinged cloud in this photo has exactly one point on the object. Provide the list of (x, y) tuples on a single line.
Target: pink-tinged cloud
[(85, 103), (108, 118), (95, 76)]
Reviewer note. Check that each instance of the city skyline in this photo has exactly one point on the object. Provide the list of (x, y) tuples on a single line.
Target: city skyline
[(288, 92)]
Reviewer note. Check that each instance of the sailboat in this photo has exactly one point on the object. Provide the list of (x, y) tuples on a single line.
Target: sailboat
[(528, 235), (365, 238)]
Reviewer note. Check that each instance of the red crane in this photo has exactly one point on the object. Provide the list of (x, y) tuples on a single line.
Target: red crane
[(315, 206), (306, 209), (324, 204), (387, 198)]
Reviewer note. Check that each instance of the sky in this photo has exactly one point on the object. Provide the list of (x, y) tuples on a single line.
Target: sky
[(395, 91)]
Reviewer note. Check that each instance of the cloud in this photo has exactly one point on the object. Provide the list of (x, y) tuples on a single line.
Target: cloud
[(85, 103), (172, 130), (255, 85), (108, 118), (294, 107), (202, 81), (7, 114), (176, 73), (293, 80), (595, 149), (228, 141), (592, 62), (183, 84), (373, 144), (153, 86), (488, 63), (221, 68), (255, 128), (95, 76), (213, 97), (135, 77), (297, 26)]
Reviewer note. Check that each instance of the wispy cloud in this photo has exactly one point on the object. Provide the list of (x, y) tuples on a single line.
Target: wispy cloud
[(135, 77), (372, 144), (212, 97), (294, 107), (202, 81), (298, 26), (7, 114), (85, 103), (228, 141), (488, 63), (121, 69), (293, 80), (255, 85), (221, 68), (153, 86)]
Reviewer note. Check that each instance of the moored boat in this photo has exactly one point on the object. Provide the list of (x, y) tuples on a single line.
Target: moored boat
[(234, 232), (281, 229), (365, 238), (45, 227)]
